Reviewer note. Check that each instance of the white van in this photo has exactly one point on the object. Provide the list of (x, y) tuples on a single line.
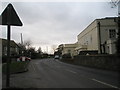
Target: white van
[(56, 57)]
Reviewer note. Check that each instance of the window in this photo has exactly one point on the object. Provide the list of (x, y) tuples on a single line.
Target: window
[(16, 49), (112, 33), (69, 51), (91, 38), (5, 50)]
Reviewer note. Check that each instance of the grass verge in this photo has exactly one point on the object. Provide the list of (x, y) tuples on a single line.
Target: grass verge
[(16, 67)]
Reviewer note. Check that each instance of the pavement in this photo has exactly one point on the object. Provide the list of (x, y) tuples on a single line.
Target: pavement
[(52, 73)]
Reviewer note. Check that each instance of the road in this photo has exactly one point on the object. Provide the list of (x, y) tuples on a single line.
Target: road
[(50, 73)]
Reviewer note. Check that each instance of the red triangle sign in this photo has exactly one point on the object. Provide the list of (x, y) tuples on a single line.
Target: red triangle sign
[(10, 17)]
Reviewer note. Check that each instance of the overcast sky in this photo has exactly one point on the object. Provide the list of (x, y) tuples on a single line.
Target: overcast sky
[(53, 23)]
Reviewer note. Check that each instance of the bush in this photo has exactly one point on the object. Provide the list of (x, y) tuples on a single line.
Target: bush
[(16, 67)]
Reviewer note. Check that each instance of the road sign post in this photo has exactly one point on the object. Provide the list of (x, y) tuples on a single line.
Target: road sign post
[(10, 18), (8, 58)]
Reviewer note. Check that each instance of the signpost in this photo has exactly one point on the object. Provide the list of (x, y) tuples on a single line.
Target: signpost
[(10, 18)]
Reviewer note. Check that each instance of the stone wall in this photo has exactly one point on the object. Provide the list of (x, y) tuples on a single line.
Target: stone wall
[(109, 62)]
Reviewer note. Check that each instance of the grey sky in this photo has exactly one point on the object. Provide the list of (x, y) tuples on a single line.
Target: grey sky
[(54, 23)]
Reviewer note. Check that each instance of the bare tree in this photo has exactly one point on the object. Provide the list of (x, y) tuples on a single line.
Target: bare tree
[(39, 50), (27, 44), (54, 47)]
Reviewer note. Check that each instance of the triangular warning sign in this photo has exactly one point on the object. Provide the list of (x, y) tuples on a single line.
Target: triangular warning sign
[(10, 17)]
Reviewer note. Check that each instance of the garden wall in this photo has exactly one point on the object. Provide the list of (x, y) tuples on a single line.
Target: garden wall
[(110, 62)]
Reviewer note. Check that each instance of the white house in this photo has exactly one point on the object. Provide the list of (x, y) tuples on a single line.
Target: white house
[(99, 36), (67, 49)]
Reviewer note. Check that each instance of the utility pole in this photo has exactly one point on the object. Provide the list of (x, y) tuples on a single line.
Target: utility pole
[(21, 39), (22, 51)]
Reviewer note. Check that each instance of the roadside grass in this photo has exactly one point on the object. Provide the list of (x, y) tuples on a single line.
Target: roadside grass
[(16, 67)]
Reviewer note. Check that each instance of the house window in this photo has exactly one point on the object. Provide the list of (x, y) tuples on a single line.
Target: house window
[(69, 51), (91, 38), (16, 49), (86, 42), (112, 33), (5, 51)]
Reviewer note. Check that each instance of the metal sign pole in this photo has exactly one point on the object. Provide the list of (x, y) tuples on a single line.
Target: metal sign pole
[(9, 18), (8, 47), (8, 59)]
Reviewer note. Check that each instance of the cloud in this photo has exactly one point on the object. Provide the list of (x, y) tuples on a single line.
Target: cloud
[(56, 23)]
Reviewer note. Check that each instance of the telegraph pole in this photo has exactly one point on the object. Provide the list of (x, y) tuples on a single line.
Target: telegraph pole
[(21, 39)]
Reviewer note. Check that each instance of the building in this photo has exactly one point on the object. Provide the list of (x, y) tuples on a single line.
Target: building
[(67, 49), (14, 48), (99, 36)]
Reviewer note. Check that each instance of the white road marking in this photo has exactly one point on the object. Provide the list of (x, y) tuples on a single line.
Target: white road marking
[(71, 71), (105, 83), (33, 67)]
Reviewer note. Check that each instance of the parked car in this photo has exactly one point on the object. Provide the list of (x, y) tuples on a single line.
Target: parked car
[(23, 58), (56, 57)]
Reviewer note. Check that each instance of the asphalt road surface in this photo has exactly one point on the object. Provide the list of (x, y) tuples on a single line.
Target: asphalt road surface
[(50, 73)]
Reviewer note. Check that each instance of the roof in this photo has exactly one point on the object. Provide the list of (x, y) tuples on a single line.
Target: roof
[(4, 42), (96, 20), (69, 45), (107, 18)]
